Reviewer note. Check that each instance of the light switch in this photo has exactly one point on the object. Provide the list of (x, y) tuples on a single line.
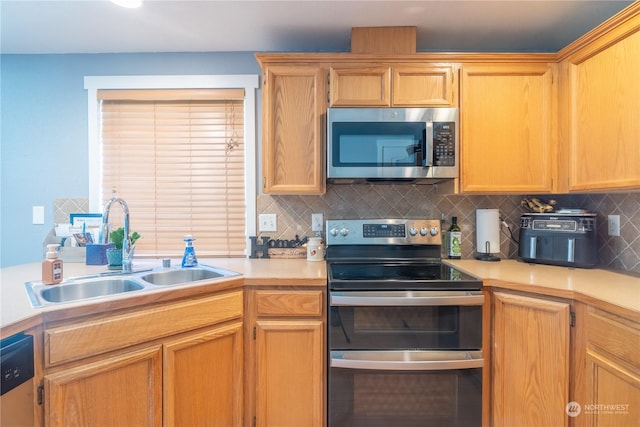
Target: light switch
[(38, 214)]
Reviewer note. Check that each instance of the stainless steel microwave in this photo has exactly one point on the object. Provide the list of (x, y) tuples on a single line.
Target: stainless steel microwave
[(392, 144)]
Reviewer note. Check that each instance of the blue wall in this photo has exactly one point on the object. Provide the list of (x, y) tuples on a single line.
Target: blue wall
[(43, 130)]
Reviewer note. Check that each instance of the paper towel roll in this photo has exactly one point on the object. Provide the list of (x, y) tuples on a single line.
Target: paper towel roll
[(487, 233)]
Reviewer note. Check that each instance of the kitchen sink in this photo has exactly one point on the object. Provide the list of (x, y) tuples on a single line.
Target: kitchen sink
[(112, 283), (185, 275), (89, 289)]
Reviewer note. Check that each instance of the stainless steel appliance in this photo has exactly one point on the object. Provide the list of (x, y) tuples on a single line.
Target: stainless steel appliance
[(405, 330), (16, 386), (567, 238), (397, 144)]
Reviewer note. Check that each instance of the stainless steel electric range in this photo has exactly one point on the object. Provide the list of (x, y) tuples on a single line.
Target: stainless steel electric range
[(405, 330)]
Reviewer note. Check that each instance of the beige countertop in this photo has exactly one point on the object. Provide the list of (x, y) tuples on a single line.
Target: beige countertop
[(16, 312), (615, 291)]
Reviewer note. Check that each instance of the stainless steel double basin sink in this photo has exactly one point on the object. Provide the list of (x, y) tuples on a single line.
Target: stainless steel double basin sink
[(107, 284)]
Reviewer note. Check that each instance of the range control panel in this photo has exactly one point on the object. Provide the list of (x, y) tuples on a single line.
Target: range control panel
[(384, 231)]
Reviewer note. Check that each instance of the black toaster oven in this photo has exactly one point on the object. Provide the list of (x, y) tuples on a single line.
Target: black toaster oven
[(560, 238)]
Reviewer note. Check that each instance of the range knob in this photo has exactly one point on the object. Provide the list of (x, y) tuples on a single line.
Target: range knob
[(433, 231), (423, 231), (413, 231), (333, 231), (344, 231)]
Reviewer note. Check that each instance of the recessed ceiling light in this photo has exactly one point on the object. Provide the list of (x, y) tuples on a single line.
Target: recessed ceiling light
[(131, 4)]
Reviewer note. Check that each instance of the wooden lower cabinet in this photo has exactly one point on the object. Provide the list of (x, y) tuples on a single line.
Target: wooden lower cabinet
[(607, 370), (286, 358), (203, 378), (530, 361), (121, 390), (181, 377)]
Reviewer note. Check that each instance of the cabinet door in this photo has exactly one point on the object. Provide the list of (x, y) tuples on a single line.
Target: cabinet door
[(203, 378), (293, 103), (507, 140), (609, 395), (424, 86), (360, 85), (604, 117), (122, 390), (530, 366), (289, 373)]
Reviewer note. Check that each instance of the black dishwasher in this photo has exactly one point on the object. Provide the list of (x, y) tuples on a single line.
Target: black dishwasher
[(16, 388)]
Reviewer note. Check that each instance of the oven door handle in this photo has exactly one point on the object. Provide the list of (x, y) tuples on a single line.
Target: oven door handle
[(413, 360), (405, 298)]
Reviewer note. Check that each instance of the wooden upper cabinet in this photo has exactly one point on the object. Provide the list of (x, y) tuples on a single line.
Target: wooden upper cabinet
[(603, 102), (395, 85), (362, 85), (508, 128), (425, 85), (293, 108)]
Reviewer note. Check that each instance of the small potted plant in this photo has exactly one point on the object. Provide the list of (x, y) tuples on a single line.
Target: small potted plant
[(114, 255)]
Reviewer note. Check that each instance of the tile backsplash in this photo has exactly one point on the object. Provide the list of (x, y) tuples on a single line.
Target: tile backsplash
[(428, 201)]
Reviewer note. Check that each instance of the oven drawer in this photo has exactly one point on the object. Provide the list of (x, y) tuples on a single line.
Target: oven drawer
[(405, 320), (435, 389)]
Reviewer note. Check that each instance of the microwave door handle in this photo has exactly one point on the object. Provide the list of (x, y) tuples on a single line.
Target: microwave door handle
[(426, 150), (407, 360)]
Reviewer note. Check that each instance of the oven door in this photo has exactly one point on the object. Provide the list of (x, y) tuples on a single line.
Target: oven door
[(405, 358), (405, 320), (405, 389)]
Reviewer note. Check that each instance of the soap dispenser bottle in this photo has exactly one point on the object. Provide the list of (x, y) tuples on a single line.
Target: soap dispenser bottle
[(189, 259), (51, 266)]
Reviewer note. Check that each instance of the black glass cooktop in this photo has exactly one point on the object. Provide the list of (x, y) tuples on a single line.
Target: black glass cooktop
[(395, 276)]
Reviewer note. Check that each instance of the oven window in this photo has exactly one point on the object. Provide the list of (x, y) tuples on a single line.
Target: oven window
[(365, 398), (400, 328)]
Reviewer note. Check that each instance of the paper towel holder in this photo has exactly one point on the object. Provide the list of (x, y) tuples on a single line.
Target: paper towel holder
[(487, 234)]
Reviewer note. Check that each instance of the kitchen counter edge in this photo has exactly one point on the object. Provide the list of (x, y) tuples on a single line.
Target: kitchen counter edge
[(17, 314), (612, 291)]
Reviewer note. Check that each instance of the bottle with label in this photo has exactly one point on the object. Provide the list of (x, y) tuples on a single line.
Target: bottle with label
[(189, 259), (454, 240), (51, 266)]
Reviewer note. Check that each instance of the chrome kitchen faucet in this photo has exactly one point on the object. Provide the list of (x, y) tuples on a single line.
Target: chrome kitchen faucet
[(127, 251)]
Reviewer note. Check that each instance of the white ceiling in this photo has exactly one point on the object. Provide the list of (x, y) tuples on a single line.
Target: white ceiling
[(98, 26)]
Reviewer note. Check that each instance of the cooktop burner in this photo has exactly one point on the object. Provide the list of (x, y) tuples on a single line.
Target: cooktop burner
[(395, 276)]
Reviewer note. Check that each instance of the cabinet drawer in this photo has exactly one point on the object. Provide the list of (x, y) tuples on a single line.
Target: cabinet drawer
[(289, 303), (614, 335), (77, 341)]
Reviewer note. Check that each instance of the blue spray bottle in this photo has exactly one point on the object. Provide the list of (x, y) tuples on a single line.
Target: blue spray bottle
[(189, 259)]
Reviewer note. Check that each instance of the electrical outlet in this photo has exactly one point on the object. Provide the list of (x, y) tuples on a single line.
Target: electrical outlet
[(316, 222), (267, 222), (613, 222)]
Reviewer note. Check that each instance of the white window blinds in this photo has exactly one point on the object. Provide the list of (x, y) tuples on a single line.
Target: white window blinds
[(177, 158)]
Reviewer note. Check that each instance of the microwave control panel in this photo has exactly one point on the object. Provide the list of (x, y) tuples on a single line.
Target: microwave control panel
[(444, 143)]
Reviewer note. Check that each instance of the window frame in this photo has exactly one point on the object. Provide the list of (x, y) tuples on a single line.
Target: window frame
[(248, 82)]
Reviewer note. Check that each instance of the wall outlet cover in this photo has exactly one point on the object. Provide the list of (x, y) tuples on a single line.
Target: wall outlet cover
[(613, 223), (316, 222), (267, 222)]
